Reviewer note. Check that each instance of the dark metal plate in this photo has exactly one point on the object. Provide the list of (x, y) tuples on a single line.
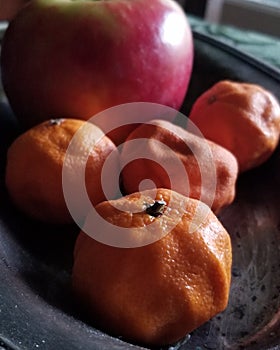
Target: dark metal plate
[(37, 310)]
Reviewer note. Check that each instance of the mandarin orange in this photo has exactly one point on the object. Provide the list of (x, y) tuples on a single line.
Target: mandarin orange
[(35, 162), (171, 157), (153, 294), (242, 117)]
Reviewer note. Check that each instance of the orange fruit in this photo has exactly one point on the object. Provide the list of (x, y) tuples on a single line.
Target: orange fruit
[(35, 163), (172, 157), (156, 293), (242, 117)]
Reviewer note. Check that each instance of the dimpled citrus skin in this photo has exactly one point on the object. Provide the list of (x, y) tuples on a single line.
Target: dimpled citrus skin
[(157, 293), (35, 163), (242, 117), (209, 171)]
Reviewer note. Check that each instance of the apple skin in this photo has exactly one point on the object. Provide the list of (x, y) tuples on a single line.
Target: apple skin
[(63, 58)]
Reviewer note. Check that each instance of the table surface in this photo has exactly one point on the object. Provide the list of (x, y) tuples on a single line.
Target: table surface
[(264, 47)]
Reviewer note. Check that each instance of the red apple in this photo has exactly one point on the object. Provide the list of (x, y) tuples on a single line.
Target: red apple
[(8, 9), (76, 58)]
